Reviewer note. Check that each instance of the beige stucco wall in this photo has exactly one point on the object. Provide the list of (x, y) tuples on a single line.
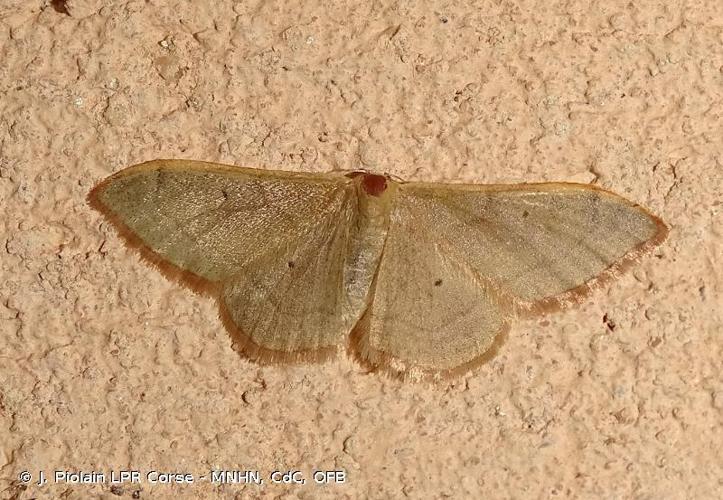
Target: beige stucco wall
[(105, 365)]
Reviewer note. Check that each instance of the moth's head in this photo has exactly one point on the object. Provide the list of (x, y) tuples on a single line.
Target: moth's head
[(372, 184)]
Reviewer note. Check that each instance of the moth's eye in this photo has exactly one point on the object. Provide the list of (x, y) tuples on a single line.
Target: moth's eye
[(374, 185)]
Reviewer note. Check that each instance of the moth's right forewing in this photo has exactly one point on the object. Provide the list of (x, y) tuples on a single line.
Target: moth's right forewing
[(544, 245)]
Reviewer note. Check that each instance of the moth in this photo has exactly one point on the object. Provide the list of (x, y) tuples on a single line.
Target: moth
[(416, 279)]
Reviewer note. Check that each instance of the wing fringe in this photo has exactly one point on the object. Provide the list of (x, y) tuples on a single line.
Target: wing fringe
[(375, 361)]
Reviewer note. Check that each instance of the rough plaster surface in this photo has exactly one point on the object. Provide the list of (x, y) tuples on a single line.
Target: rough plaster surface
[(104, 365)]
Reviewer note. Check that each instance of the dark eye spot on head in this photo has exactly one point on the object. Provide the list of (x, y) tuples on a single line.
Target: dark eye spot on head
[(438, 283), (291, 264), (373, 184), (525, 213)]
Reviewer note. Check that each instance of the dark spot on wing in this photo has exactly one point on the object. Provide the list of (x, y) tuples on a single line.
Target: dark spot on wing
[(291, 264), (438, 282)]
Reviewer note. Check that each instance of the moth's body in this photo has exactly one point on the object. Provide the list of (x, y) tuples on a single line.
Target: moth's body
[(374, 195), (425, 277)]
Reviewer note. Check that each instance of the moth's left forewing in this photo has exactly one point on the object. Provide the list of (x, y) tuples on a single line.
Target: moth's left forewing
[(269, 245)]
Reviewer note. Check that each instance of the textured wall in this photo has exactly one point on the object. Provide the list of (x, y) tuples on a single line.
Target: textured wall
[(105, 365)]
